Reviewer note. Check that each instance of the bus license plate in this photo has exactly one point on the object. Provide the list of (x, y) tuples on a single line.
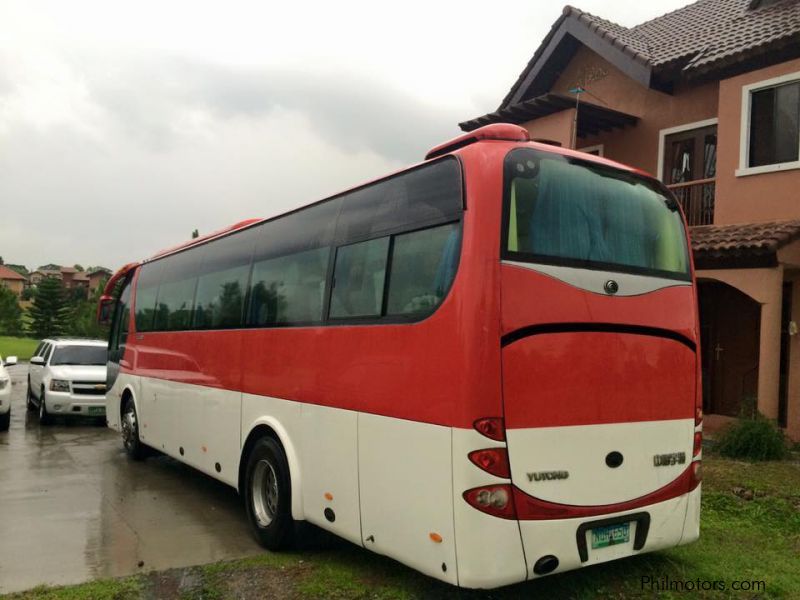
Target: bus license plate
[(611, 535), (97, 410)]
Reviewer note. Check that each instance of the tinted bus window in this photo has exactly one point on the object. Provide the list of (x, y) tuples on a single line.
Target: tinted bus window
[(359, 277), (306, 229), (222, 285), (290, 265), (289, 289), (407, 201), (573, 213), (423, 266), (146, 292), (176, 291)]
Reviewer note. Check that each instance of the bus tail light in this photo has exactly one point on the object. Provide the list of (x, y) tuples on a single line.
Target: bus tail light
[(698, 415), (495, 500), (698, 443), (492, 428), (492, 460)]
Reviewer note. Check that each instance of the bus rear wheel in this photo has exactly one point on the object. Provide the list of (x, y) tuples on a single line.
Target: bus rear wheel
[(267, 495)]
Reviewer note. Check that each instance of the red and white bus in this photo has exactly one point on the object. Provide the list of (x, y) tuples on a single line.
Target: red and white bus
[(484, 366)]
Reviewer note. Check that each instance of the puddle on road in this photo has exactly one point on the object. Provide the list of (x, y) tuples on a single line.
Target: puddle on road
[(75, 508)]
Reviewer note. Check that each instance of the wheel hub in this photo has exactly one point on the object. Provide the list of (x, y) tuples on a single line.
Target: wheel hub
[(264, 493)]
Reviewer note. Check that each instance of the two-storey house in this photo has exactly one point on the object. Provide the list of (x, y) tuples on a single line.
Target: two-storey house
[(707, 98)]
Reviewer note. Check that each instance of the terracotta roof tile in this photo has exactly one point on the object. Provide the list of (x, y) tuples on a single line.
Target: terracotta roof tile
[(742, 240), (702, 33), (696, 38), (8, 274)]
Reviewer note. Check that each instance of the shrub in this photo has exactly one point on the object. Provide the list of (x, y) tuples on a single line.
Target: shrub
[(754, 439)]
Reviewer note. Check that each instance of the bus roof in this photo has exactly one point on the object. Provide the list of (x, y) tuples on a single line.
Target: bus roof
[(503, 132), (507, 132)]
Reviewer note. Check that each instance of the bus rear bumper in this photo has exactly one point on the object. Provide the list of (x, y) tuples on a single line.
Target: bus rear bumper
[(490, 553), (663, 525)]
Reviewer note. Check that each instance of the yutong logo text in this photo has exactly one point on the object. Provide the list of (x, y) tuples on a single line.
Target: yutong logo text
[(547, 475)]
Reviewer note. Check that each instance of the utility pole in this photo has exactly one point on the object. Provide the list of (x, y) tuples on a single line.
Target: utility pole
[(578, 90)]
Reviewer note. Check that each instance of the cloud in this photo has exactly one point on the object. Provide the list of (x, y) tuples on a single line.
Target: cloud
[(126, 155)]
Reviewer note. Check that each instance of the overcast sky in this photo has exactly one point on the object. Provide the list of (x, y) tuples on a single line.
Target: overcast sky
[(124, 126)]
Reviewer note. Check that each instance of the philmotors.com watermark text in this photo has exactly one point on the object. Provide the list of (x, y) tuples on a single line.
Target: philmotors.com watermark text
[(665, 583)]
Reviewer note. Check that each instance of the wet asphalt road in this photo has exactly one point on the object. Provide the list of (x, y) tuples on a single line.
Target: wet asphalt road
[(74, 508)]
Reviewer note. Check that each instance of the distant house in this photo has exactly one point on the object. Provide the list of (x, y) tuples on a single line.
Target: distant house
[(97, 277), (12, 280), (70, 277), (39, 274), (707, 98)]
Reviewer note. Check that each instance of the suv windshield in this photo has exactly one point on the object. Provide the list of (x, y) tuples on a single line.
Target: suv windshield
[(79, 355), (564, 211)]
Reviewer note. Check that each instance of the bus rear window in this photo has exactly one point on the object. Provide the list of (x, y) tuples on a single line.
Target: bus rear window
[(568, 212)]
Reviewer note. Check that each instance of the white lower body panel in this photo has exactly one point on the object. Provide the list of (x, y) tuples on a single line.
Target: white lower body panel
[(394, 486)]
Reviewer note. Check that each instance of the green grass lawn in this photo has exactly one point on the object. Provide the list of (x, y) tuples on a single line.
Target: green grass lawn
[(741, 540), (20, 347)]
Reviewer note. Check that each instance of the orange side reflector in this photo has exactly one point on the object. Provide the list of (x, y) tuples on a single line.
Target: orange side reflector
[(435, 537), (204, 448), (328, 496)]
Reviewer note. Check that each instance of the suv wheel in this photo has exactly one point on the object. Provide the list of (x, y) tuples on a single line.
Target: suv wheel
[(44, 416), (29, 403)]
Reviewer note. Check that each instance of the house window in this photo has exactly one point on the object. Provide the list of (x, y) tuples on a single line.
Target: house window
[(770, 138), (774, 125)]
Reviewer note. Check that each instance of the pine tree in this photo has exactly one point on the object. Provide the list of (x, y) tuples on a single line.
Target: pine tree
[(50, 312), (10, 313)]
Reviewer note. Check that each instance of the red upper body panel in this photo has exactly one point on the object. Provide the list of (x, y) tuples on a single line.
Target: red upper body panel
[(445, 369)]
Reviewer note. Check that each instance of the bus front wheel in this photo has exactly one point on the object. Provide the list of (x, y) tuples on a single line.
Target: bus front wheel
[(129, 425), (268, 494)]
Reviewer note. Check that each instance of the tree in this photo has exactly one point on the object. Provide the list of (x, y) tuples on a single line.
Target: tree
[(21, 269), (78, 268), (50, 312), (83, 318), (10, 313)]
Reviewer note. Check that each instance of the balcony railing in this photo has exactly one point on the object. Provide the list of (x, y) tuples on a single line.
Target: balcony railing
[(696, 199)]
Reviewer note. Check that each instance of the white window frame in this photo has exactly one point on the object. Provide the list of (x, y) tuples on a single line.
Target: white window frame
[(597, 147), (663, 133), (744, 129)]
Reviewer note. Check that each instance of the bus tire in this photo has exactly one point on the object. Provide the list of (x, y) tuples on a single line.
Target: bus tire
[(129, 426), (29, 403), (267, 494), (44, 417), (5, 421)]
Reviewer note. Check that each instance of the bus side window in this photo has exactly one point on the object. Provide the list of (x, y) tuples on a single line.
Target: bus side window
[(289, 289), (146, 292), (175, 299), (423, 266), (359, 276)]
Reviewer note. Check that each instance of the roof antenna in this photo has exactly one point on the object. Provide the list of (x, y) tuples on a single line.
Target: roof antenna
[(578, 90)]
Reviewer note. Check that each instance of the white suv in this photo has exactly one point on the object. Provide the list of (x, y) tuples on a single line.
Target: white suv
[(68, 377), (5, 392)]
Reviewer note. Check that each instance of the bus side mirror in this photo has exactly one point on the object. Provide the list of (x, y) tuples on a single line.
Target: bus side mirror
[(104, 310), (10, 361)]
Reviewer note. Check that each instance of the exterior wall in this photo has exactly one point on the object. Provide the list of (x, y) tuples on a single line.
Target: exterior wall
[(556, 127), (763, 197), (15, 285), (636, 146)]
